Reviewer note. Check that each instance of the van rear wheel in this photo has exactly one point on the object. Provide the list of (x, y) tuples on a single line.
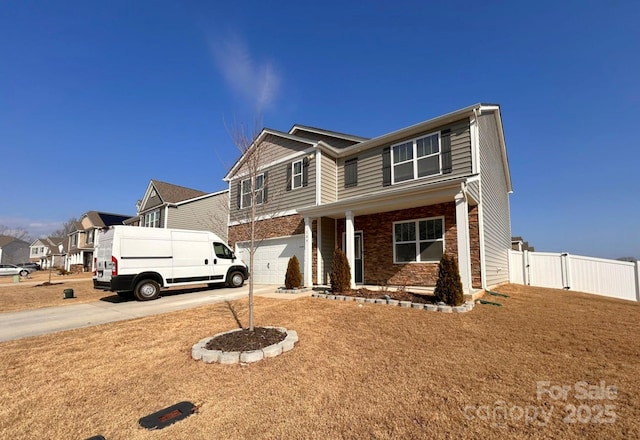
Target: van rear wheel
[(147, 290), (236, 279)]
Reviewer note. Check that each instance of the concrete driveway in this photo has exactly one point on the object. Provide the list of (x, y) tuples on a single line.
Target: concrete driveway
[(23, 324)]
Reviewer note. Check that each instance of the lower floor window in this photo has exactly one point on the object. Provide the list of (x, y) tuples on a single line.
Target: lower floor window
[(418, 241)]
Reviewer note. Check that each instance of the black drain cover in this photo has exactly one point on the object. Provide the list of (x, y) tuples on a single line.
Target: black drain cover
[(167, 416)]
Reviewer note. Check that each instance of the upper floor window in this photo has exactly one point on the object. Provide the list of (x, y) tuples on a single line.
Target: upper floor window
[(418, 241), (416, 158), (74, 240), (298, 174), (34, 251), (259, 190), (152, 219), (424, 156), (351, 173), (90, 234)]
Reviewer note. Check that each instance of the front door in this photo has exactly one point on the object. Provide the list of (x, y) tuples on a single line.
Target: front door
[(358, 256)]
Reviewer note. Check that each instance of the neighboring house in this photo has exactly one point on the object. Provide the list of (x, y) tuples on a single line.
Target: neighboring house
[(518, 244), (81, 241), (47, 250), (394, 203), (165, 205), (13, 250)]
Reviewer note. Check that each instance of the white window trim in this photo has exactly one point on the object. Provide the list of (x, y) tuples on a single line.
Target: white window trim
[(293, 174), (415, 157), (417, 240), (151, 218), (243, 194), (256, 191)]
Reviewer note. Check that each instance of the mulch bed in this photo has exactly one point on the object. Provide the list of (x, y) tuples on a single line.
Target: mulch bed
[(246, 340), (399, 295)]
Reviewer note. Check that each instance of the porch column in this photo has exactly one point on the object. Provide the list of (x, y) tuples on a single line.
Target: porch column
[(464, 252), (308, 247), (349, 245)]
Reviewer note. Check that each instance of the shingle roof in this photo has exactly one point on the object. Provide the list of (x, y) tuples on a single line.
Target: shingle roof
[(170, 193)]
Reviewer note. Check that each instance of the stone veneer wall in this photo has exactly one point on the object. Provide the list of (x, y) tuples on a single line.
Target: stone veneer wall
[(377, 230), (275, 228)]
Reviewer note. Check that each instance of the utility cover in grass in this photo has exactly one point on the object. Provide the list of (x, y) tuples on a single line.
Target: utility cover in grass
[(168, 416), (246, 340)]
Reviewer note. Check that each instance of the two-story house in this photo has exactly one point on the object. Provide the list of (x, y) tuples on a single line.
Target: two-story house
[(166, 205), (13, 250), (394, 203), (49, 250), (82, 239)]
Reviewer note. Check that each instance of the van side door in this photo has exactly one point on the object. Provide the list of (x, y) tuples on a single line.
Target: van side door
[(222, 260)]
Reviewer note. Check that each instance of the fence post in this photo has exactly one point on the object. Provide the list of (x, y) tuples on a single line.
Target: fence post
[(565, 264), (525, 268), (637, 280)]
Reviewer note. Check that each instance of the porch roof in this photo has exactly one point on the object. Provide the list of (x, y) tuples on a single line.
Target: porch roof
[(390, 200)]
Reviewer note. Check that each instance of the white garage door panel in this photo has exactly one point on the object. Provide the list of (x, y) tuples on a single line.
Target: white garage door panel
[(272, 257)]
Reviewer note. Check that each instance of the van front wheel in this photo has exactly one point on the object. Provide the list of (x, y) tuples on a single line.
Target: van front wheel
[(236, 279), (147, 290)]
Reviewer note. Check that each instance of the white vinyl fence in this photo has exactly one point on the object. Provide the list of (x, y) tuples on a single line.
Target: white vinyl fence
[(617, 279)]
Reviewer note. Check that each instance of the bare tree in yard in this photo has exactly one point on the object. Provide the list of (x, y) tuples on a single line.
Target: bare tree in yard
[(67, 227), (19, 233), (260, 206)]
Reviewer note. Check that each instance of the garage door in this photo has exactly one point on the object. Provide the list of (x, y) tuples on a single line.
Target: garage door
[(272, 257)]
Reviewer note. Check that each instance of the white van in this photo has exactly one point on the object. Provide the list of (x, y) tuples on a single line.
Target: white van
[(137, 261)]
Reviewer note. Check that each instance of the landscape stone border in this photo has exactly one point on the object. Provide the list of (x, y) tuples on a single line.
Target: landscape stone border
[(440, 307), (199, 352)]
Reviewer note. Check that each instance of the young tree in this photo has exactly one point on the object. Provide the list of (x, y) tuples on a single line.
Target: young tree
[(449, 286), (293, 278), (340, 272)]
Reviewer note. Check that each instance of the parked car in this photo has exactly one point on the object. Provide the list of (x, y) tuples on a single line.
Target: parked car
[(34, 266), (12, 269)]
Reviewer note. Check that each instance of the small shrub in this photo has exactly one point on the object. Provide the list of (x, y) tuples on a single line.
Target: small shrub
[(293, 278), (449, 286), (340, 272)]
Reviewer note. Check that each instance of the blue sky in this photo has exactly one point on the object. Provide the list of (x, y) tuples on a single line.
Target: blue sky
[(98, 98)]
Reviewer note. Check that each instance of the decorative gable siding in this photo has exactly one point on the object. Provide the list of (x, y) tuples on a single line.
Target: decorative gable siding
[(328, 176), (331, 140), (370, 163), (494, 204), (207, 214), (275, 148), (153, 201), (279, 200)]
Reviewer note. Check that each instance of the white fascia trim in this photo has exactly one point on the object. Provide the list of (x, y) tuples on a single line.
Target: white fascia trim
[(318, 177), (277, 162), (264, 217)]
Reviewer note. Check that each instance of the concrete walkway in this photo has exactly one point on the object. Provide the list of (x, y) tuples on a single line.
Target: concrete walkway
[(23, 324)]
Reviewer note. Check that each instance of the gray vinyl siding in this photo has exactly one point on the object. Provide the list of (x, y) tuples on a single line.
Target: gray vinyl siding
[(370, 163), (474, 190), (153, 201), (207, 214), (279, 200), (328, 176), (327, 247), (331, 140), (494, 195), (274, 148)]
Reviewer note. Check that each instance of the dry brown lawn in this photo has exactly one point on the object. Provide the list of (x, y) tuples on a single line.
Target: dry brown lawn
[(358, 372), (29, 293)]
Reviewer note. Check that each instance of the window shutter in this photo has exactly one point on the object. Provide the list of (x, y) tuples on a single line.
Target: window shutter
[(265, 187), (445, 140), (238, 195), (386, 166), (351, 173), (305, 171), (289, 177)]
